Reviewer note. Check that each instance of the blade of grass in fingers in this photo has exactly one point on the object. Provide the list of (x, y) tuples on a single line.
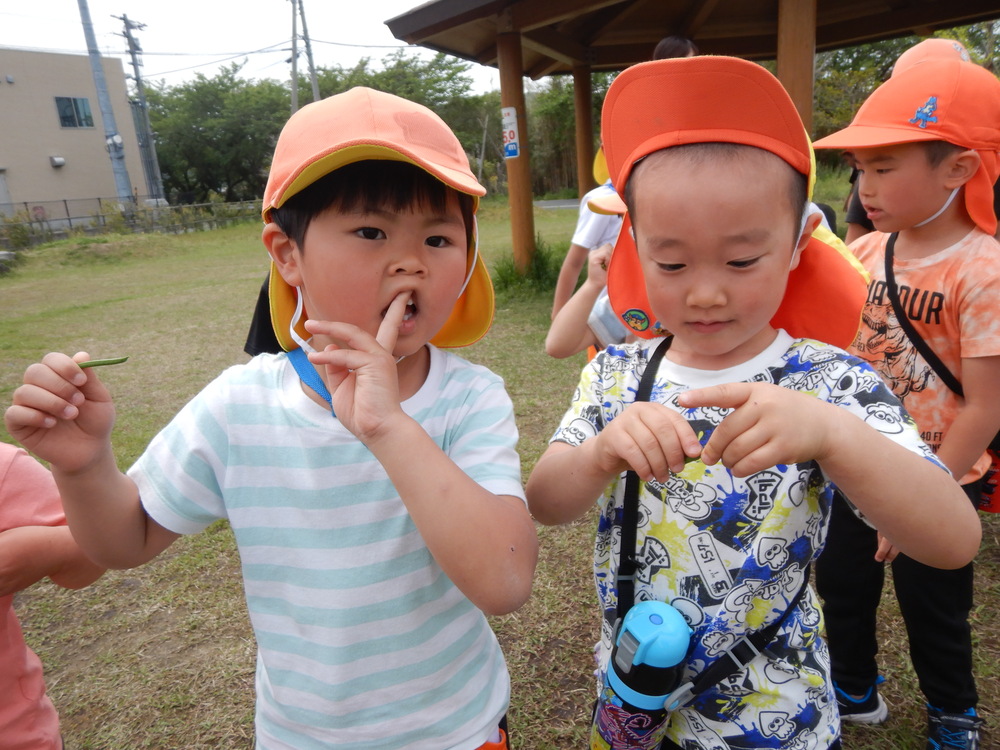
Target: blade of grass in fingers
[(102, 362)]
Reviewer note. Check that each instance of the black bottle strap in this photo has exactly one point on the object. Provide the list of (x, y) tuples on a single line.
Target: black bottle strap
[(628, 564), (916, 339)]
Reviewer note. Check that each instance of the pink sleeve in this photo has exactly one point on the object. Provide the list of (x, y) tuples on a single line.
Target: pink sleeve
[(28, 494)]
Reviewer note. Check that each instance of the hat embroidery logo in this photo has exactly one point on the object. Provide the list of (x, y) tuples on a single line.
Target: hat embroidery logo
[(637, 320), (925, 113)]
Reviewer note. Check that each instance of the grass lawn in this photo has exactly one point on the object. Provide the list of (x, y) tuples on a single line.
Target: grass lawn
[(162, 656)]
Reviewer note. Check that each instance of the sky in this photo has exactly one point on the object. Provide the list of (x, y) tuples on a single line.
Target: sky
[(185, 37)]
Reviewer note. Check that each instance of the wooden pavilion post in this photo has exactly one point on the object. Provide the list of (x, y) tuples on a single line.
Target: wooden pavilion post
[(797, 52), (522, 217), (583, 102)]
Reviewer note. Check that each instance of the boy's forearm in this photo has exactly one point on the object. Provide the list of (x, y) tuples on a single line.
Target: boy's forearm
[(30, 553), (978, 420), (570, 332), (486, 544), (919, 507), (564, 484), (71, 567), (573, 263), (966, 439), (106, 516)]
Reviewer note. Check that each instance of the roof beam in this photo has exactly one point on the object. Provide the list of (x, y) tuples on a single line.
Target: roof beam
[(695, 18), (553, 44), (914, 19), (533, 14)]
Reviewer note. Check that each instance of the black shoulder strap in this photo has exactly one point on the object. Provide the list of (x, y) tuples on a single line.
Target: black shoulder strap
[(915, 338), (625, 583)]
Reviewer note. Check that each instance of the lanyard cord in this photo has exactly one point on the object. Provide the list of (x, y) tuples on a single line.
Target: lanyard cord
[(308, 374)]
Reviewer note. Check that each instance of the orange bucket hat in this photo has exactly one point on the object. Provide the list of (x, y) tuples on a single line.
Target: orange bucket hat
[(364, 124), (934, 48), (664, 103), (936, 99)]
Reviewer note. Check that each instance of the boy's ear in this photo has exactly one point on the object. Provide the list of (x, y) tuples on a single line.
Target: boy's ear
[(961, 166), (810, 226), (282, 249)]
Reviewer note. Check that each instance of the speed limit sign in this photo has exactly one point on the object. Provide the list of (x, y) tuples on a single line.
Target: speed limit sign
[(511, 142)]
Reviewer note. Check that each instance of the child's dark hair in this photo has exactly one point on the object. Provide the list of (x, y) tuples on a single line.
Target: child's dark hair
[(368, 185), (798, 184), (938, 151), (674, 45)]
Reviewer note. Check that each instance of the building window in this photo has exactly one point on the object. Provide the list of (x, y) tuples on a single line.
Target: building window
[(74, 112)]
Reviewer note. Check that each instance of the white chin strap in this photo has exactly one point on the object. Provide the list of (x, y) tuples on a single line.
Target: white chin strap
[(475, 255), (806, 213), (940, 210), (296, 316)]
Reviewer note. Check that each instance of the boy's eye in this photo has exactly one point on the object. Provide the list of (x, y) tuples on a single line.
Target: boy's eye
[(670, 267), (438, 240), (746, 263), (370, 233)]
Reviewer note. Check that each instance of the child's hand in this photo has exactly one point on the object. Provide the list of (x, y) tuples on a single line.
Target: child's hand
[(362, 375), (62, 413), (597, 265), (770, 425), (651, 439), (886, 551)]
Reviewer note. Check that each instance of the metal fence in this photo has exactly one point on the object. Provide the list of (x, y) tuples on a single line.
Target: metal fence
[(31, 223)]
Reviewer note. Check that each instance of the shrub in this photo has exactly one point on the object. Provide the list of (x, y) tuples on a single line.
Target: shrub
[(540, 276)]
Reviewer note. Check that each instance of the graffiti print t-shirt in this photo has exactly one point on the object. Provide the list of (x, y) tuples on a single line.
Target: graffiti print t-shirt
[(731, 553), (952, 298)]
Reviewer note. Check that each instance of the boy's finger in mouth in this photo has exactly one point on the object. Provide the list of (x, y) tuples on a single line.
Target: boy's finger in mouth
[(409, 307)]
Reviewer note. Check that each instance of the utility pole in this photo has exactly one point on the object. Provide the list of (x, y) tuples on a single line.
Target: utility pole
[(295, 57), (112, 138), (309, 53), (147, 142)]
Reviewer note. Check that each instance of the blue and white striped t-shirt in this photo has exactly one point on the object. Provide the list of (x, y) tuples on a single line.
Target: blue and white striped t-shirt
[(363, 642)]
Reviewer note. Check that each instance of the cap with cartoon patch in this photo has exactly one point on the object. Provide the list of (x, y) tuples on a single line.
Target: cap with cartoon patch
[(664, 103), (364, 124), (936, 99), (935, 48)]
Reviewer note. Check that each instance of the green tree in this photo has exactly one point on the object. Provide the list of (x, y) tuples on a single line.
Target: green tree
[(215, 135), (552, 129)]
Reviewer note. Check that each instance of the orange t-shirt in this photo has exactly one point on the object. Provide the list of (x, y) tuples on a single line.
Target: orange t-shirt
[(28, 720), (952, 298)]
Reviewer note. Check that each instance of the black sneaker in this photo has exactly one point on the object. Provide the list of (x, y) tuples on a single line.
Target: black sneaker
[(869, 709), (958, 731)]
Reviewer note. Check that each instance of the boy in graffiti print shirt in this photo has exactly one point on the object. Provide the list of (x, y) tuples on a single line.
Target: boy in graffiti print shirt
[(775, 418)]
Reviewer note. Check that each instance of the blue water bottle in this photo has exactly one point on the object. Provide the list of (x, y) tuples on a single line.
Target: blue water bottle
[(646, 665)]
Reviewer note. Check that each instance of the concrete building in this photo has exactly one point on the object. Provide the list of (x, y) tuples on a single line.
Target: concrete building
[(54, 162)]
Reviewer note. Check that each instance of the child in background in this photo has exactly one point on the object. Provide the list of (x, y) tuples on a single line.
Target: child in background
[(587, 320), (774, 421), (593, 230), (371, 480), (926, 142), (35, 543)]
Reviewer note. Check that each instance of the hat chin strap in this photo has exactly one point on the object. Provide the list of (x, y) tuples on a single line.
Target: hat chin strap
[(940, 210), (475, 256), (296, 316)]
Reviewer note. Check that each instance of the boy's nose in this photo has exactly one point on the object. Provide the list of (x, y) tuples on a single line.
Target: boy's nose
[(705, 294), (864, 186), (409, 260)]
